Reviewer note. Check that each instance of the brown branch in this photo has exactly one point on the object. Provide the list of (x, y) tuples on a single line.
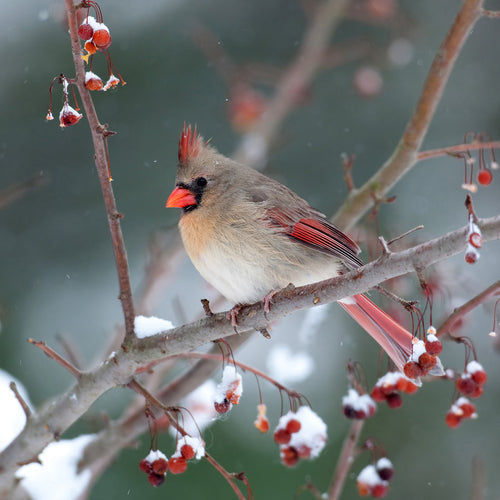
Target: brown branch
[(433, 153), (228, 477), (463, 310), (98, 139), (295, 79), (404, 157), (345, 460), (56, 357), (22, 402)]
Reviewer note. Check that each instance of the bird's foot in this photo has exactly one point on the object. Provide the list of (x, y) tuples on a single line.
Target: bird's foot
[(266, 301), (233, 316)]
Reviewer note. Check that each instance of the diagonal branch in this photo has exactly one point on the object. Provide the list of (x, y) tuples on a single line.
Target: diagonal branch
[(359, 201)]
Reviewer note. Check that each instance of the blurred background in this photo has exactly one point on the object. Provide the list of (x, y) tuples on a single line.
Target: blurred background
[(58, 279)]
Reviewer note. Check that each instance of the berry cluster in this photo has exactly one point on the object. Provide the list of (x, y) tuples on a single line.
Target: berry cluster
[(300, 434), (461, 409), (358, 406), (156, 464), (229, 390), (424, 357), (474, 241), (470, 383), (485, 171), (389, 387), (374, 478)]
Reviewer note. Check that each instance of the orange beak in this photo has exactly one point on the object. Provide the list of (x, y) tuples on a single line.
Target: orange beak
[(180, 197)]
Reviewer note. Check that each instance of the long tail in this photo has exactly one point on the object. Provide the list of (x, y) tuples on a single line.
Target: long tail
[(390, 335)]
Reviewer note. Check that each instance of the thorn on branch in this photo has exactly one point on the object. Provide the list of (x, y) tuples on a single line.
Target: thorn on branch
[(56, 357), (401, 236), (22, 402), (347, 164), (206, 307), (385, 248)]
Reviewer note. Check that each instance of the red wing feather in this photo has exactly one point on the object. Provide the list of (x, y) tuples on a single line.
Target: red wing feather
[(317, 233)]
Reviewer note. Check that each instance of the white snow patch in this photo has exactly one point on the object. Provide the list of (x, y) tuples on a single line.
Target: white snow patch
[(231, 384), (146, 326), (289, 368), (57, 477), (12, 417)]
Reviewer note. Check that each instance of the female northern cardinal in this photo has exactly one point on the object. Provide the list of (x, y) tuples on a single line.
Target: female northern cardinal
[(248, 235)]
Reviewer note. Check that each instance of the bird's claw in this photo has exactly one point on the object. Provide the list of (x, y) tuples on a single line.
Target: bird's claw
[(233, 316), (266, 301)]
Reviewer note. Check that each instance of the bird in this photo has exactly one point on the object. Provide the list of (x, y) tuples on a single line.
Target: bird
[(249, 236)]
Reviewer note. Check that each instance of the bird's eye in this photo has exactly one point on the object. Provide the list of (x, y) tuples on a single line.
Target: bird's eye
[(201, 182)]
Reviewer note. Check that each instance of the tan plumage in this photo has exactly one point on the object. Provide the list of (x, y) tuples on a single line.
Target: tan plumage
[(248, 234)]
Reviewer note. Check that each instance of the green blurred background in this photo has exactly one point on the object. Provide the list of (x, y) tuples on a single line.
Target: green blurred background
[(58, 277)]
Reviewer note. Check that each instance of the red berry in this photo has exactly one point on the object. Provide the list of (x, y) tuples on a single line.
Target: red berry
[(177, 465), (293, 426), (426, 361), (377, 394), (282, 436), (379, 490), (484, 177), (471, 257), (102, 39), (402, 384), (394, 400), (466, 385), (412, 369), (145, 466), (289, 456), (304, 451), (386, 473), (85, 31), (476, 240), (350, 412), (222, 407), (435, 348), (160, 466), (187, 451), (479, 377), (363, 489), (411, 388), (94, 84), (478, 391), (468, 410), (156, 479), (453, 420)]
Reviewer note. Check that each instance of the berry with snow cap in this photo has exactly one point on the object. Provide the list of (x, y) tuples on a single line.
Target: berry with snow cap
[(155, 465), (358, 406), (305, 442), (262, 422), (229, 390), (461, 409)]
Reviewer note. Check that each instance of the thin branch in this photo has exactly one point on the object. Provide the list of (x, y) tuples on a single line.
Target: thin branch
[(56, 357), (228, 477), (463, 310), (404, 157), (22, 402), (97, 131), (345, 460), (458, 148)]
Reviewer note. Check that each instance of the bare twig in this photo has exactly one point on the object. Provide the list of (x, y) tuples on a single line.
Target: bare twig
[(458, 148), (56, 357), (463, 310), (22, 402)]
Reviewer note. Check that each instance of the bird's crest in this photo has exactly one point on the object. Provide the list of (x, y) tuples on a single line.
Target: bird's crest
[(189, 144)]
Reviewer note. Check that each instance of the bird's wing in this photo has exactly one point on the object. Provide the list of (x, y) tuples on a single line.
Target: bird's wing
[(309, 227)]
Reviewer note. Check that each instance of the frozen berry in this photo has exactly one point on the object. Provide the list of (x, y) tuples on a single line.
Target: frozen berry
[(177, 465), (394, 400), (222, 407), (293, 426), (159, 466), (452, 419), (156, 479), (187, 451), (289, 456), (85, 31), (282, 436), (412, 369)]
